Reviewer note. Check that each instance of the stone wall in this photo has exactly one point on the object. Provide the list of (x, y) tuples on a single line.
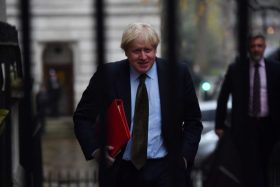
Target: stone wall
[(2, 10), (73, 22)]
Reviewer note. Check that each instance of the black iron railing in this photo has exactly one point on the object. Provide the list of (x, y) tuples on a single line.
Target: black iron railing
[(77, 178)]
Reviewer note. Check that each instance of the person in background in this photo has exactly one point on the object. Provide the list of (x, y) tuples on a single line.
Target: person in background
[(42, 99), (54, 91), (141, 81), (254, 124)]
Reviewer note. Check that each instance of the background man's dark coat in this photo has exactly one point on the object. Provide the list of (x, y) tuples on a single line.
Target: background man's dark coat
[(236, 83)]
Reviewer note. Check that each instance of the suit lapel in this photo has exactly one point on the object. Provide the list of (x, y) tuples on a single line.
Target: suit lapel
[(122, 88), (244, 82), (247, 81), (163, 88), (268, 71)]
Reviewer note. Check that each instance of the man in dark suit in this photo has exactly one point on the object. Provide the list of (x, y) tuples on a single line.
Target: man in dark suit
[(254, 125), (178, 135)]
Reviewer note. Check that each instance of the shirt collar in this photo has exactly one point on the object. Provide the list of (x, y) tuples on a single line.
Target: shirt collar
[(261, 63), (150, 74)]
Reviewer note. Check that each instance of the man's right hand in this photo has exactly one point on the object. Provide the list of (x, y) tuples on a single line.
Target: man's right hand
[(219, 132), (109, 160)]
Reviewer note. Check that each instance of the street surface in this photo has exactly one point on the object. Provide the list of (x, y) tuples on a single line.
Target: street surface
[(62, 155)]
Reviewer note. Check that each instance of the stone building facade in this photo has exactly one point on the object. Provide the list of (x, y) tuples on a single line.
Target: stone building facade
[(63, 39), (2, 10)]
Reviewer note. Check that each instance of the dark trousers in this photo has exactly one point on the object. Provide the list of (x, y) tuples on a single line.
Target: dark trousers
[(256, 161), (155, 173)]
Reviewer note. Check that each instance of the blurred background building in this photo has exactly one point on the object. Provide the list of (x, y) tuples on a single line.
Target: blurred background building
[(63, 51), (63, 39)]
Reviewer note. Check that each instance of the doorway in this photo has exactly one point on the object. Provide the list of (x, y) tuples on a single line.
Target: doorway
[(58, 64)]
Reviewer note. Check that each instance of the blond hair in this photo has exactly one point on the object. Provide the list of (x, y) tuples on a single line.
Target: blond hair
[(140, 31)]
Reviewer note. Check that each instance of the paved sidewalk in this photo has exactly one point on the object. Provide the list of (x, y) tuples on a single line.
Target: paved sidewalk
[(61, 152)]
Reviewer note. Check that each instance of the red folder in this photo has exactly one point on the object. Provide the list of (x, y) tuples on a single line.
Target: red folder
[(117, 128)]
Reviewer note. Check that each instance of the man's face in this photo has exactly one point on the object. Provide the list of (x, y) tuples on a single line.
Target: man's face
[(141, 56), (257, 47)]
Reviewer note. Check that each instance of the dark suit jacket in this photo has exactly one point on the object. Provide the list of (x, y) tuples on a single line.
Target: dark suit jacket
[(236, 84), (112, 81)]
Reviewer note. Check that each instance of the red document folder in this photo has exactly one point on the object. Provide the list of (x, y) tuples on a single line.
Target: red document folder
[(117, 128)]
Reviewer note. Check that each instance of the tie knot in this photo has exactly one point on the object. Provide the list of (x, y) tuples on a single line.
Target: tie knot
[(257, 65), (142, 77)]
